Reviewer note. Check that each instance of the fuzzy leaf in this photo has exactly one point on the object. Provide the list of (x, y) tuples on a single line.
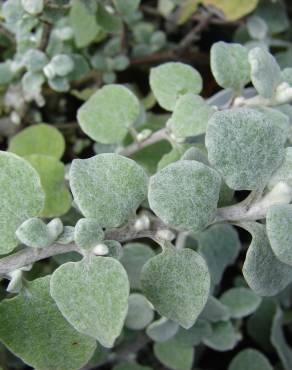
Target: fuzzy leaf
[(191, 202), (245, 147), (34, 233), (171, 80), (177, 283), (21, 197), (108, 113), (194, 335), (263, 271), (215, 311), (93, 296), (33, 329), (250, 359), (190, 116), (108, 187), (140, 314), (115, 249), (229, 65), (223, 336), (284, 172), (38, 139), (88, 233), (162, 330)]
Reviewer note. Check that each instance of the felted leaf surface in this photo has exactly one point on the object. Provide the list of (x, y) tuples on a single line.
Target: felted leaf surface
[(219, 245), (21, 197), (215, 311), (240, 301), (140, 314), (190, 116), (162, 329), (177, 283), (223, 336), (174, 355), (193, 336), (108, 113), (265, 72), (108, 187), (233, 10), (93, 296), (38, 139), (250, 359), (262, 270), (244, 146), (34, 233), (185, 194), (52, 174), (279, 230), (229, 65), (284, 172), (171, 80), (33, 329), (174, 155), (88, 233)]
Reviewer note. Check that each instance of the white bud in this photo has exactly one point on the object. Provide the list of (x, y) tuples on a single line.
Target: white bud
[(49, 71), (165, 234), (142, 223), (100, 250), (144, 134), (15, 118)]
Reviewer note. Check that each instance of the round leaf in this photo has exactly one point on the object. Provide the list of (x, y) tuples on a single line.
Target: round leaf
[(140, 313), (34, 233), (185, 194), (88, 233), (108, 187), (250, 359), (162, 330)]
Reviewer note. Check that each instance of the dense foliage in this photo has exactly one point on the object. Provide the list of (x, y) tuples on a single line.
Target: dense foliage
[(145, 204)]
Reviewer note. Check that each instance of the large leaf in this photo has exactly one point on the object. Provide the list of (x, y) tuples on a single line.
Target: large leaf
[(177, 283), (108, 187), (33, 328), (21, 197), (93, 296)]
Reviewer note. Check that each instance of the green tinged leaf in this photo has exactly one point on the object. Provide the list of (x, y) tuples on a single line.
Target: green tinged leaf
[(229, 65), (250, 359), (174, 155), (215, 311), (190, 116), (194, 335), (263, 271), (52, 174), (108, 114), (83, 21), (245, 147), (21, 197), (265, 72), (284, 172), (219, 245), (93, 296), (127, 7), (38, 139), (223, 336), (231, 9), (34, 330), (108, 187), (140, 314), (162, 330), (240, 301), (186, 9), (191, 202), (88, 233), (115, 249), (177, 283), (171, 80), (34, 233), (174, 355), (279, 230)]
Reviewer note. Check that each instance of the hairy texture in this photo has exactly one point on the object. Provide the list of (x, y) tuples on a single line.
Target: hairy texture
[(93, 296), (185, 194), (177, 283), (34, 233), (88, 233), (171, 80), (223, 337), (162, 329), (21, 197), (108, 113), (33, 328), (229, 65), (250, 359), (245, 147), (108, 187), (140, 313), (284, 172)]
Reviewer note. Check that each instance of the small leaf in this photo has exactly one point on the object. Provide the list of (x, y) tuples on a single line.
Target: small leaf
[(257, 27), (263, 272), (245, 147), (223, 336), (34, 233), (134, 257), (93, 296), (279, 230), (250, 359), (177, 283), (194, 336), (174, 155), (190, 116), (108, 187), (229, 65), (231, 9), (171, 80), (67, 235), (126, 7), (186, 9), (162, 330), (21, 197), (34, 330), (215, 311), (38, 139), (188, 204), (88, 233), (33, 7), (115, 249), (240, 301), (140, 314), (52, 174), (174, 355), (108, 114), (265, 72)]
